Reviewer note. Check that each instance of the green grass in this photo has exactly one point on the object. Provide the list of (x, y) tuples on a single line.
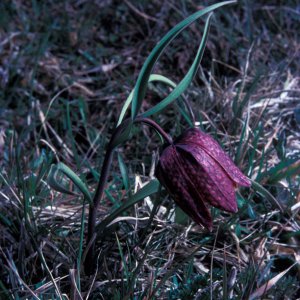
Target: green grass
[(66, 70)]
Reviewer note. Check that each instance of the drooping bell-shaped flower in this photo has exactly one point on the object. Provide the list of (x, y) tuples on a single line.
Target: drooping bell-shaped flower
[(196, 173)]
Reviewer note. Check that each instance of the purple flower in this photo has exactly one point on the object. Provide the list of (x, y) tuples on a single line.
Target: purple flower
[(196, 173)]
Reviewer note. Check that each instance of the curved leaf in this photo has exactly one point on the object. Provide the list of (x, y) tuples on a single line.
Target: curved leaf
[(54, 182), (147, 190), (268, 196), (152, 78), (185, 82), (142, 81), (124, 172)]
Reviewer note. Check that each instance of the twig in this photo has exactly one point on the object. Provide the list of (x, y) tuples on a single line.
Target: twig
[(145, 16)]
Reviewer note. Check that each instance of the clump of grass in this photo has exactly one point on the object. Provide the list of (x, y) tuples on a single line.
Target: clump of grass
[(57, 104)]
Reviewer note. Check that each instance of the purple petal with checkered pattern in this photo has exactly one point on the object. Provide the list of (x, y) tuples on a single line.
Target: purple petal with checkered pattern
[(196, 172), (174, 178), (195, 138), (210, 179)]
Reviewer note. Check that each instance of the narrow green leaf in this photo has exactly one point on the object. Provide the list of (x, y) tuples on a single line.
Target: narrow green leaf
[(185, 82), (152, 78), (258, 133), (242, 143), (122, 258), (81, 240), (142, 81), (236, 99), (181, 102), (285, 169), (125, 107), (251, 212), (249, 93), (267, 195), (149, 189), (124, 172), (70, 133), (280, 145), (54, 182), (163, 79), (182, 109)]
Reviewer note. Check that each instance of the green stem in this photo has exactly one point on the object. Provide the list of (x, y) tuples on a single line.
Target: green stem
[(89, 262)]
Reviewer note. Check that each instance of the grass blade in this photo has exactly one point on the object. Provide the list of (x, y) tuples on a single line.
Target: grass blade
[(124, 172), (269, 284), (268, 196)]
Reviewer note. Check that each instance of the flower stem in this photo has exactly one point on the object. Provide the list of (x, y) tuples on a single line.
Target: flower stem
[(89, 262), (154, 125), (90, 255)]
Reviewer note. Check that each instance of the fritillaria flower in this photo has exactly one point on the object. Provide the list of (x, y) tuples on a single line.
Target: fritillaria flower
[(197, 173)]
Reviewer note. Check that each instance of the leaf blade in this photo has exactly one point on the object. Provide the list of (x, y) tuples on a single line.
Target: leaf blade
[(185, 82), (142, 81), (147, 190), (53, 182)]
